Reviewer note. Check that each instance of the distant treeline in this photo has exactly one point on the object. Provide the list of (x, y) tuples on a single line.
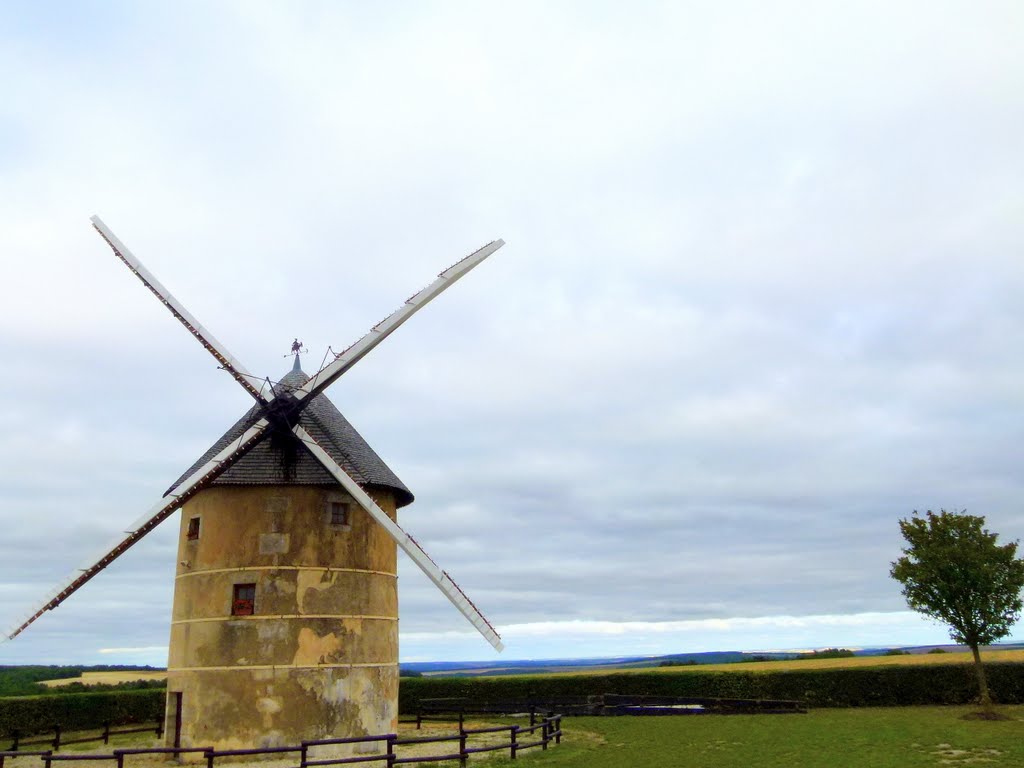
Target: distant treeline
[(827, 653), (25, 680)]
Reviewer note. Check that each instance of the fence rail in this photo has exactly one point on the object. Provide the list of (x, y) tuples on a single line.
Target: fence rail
[(57, 741), (550, 728)]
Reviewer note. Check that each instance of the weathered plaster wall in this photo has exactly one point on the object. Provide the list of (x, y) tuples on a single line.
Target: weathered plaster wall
[(319, 656)]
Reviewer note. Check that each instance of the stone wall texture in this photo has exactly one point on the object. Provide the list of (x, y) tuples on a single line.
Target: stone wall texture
[(318, 657)]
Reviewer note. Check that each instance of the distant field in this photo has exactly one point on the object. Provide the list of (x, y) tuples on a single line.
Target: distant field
[(856, 661), (107, 678), (789, 664)]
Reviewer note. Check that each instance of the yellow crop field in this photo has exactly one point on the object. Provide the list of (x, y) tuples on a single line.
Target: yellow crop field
[(107, 678), (801, 664), (847, 663)]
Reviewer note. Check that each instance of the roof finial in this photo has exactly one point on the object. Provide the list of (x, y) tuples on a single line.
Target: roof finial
[(296, 350)]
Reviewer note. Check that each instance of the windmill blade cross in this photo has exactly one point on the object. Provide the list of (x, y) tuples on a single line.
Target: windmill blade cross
[(407, 543), (278, 411)]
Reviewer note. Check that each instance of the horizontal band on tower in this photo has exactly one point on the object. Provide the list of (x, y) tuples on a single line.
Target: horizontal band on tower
[(241, 667), (287, 568), (265, 617)]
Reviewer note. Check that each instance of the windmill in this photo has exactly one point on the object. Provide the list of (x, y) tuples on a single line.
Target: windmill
[(284, 624)]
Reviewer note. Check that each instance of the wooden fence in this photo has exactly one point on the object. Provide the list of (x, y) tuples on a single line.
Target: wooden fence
[(56, 741), (539, 733)]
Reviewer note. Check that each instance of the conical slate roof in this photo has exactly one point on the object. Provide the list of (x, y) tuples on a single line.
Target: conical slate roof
[(263, 464)]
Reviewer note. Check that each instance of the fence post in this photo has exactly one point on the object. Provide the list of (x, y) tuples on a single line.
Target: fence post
[(46, 758), (56, 737), (544, 733), (17, 737), (513, 747), (391, 749), (558, 730), (419, 717), (106, 732), (209, 758), (463, 755), (533, 715), (120, 758), (160, 728), (303, 755)]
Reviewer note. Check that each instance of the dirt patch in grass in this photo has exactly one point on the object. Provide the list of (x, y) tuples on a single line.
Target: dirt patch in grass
[(950, 755), (986, 715)]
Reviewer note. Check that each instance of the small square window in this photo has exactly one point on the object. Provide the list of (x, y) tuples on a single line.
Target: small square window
[(339, 513), (193, 529), (244, 600)]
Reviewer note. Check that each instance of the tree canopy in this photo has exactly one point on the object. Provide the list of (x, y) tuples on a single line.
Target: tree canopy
[(953, 570)]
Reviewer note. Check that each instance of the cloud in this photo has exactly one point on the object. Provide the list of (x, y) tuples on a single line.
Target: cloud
[(145, 649), (760, 295), (584, 638)]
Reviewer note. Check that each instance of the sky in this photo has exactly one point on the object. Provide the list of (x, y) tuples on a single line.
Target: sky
[(760, 299)]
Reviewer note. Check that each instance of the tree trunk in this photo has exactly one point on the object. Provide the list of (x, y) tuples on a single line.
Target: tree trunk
[(984, 699)]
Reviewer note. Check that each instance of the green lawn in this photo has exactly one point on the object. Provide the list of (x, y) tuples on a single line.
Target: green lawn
[(829, 738)]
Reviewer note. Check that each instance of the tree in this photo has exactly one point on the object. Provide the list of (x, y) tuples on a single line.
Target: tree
[(953, 570)]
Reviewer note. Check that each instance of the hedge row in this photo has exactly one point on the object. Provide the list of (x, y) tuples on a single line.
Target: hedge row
[(872, 687), (880, 686), (79, 711)]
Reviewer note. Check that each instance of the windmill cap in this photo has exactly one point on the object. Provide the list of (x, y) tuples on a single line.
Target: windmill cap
[(262, 465)]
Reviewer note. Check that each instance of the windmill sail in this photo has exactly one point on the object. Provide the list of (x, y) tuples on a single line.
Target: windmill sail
[(357, 351), (406, 543), (159, 512), (250, 383)]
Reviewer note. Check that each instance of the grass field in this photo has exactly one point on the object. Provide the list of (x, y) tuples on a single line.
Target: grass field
[(847, 738), (906, 737), (108, 678)]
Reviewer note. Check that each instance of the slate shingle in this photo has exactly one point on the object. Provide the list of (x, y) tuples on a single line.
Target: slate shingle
[(263, 465)]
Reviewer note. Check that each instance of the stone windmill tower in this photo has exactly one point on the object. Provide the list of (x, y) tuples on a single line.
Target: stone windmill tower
[(285, 597), (285, 615)]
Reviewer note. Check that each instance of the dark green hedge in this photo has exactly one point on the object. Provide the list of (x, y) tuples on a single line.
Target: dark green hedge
[(860, 687), (79, 711), (879, 686)]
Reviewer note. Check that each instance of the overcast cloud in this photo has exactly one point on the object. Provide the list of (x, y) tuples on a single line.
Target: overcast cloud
[(761, 298)]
